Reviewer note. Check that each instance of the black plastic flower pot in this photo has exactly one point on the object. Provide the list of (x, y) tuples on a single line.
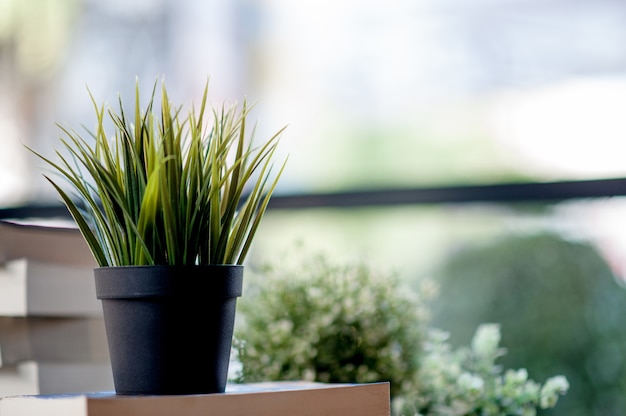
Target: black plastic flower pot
[(169, 328)]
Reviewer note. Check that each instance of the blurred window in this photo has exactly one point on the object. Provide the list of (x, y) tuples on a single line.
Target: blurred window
[(376, 94)]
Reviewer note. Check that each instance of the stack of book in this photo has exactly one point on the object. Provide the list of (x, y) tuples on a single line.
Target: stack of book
[(53, 351), (52, 337)]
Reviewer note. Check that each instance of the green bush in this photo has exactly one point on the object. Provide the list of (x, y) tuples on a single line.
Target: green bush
[(468, 382), (323, 321), (560, 309), (328, 322)]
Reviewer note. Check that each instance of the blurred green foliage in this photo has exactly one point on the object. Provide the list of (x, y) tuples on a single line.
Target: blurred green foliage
[(467, 381), (560, 307), (329, 322), (319, 320)]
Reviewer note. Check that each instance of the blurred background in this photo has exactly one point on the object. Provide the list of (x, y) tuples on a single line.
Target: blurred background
[(380, 95)]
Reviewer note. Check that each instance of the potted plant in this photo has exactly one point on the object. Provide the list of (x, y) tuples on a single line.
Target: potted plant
[(169, 206)]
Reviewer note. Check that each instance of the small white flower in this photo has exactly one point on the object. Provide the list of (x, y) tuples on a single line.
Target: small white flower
[(516, 377), (558, 384), (471, 384), (551, 390), (486, 340)]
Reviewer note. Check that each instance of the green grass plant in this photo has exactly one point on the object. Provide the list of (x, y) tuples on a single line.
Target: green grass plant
[(167, 189)]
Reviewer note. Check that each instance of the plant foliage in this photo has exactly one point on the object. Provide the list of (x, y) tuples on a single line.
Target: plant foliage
[(567, 309), (467, 381), (324, 321), (167, 189)]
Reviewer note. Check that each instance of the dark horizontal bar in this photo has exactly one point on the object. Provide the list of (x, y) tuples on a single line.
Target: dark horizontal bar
[(509, 192), (35, 211)]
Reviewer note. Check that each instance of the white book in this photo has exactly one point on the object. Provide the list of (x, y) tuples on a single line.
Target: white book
[(46, 269), (267, 399), (30, 287), (37, 378), (59, 340), (50, 242)]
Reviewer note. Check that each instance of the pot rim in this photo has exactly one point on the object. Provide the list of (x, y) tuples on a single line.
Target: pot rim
[(146, 266), (209, 281)]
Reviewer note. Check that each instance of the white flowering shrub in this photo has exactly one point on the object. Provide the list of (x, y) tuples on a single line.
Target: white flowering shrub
[(329, 322), (560, 306), (466, 381)]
